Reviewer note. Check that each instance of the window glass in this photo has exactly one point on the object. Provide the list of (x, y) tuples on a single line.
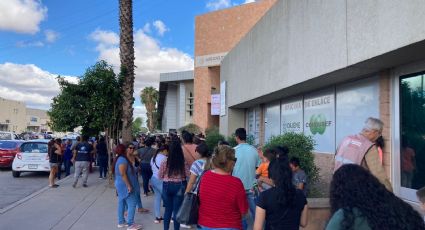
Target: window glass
[(292, 116), (319, 119), (355, 102), (272, 121), (412, 131)]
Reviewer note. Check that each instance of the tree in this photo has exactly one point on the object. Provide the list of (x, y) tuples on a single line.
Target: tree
[(149, 97), (127, 66), (93, 103), (137, 125)]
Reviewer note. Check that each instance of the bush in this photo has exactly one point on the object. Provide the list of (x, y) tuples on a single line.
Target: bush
[(212, 139), (300, 146), (191, 128)]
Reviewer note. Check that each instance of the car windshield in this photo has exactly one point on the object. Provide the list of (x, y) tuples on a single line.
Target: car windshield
[(5, 136), (34, 148), (7, 145)]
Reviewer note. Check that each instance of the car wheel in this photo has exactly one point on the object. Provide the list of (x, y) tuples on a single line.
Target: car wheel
[(16, 174)]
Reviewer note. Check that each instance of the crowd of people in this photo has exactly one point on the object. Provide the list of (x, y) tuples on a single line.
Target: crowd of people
[(239, 184)]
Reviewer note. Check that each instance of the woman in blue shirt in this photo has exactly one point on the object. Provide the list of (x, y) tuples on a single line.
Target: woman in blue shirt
[(125, 184)]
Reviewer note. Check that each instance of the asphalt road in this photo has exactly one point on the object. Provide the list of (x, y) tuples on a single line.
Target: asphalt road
[(13, 189)]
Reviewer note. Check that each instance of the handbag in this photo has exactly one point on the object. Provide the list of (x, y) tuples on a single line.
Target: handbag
[(188, 212)]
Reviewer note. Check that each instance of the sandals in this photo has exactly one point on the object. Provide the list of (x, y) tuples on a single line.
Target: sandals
[(142, 210)]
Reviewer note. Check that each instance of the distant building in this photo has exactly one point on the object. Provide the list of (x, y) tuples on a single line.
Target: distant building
[(175, 105), (37, 120), (15, 117), (12, 115)]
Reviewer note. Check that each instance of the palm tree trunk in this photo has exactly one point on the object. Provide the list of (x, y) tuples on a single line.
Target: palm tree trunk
[(127, 66)]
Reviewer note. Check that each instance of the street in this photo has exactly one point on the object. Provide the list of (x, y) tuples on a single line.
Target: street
[(13, 189)]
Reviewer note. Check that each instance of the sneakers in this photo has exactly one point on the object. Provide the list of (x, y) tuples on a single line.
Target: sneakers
[(185, 226), (122, 225), (157, 220), (54, 186), (85, 185), (134, 227)]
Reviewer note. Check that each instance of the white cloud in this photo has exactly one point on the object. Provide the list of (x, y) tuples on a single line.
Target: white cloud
[(22, 16), (23, 44), (150, 59), (249, 1), (106, 38), (160, 27), (218, 4), (51, 36), (147, 28), (30, 84)]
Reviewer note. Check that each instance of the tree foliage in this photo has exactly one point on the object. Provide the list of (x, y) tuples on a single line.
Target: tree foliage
[(137, 126), (149, 97), (192, 128), (93, 103)]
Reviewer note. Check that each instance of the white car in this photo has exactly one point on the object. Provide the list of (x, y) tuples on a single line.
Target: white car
[(31, 157)]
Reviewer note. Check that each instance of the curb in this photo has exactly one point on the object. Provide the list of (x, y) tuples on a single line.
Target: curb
[(32, 195)]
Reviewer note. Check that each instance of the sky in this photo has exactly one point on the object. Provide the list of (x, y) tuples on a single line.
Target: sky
[(41, 39)]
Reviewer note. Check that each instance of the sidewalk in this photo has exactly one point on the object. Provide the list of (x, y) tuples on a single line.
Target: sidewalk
[(66, 207)]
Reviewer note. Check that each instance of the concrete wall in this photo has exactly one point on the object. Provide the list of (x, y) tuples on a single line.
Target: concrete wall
[(299, 40), (169, 119), (219, 32)]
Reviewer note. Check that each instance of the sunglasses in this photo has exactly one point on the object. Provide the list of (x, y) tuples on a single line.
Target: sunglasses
[(130, 147)]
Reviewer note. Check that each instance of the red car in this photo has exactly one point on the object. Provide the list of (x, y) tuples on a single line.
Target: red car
[(8, 150)]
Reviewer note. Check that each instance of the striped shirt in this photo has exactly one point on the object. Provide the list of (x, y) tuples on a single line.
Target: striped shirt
[(222, 201), (197, 167)]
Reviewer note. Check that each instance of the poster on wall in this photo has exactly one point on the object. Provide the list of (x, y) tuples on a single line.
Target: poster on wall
[(223, 98), (292, 116), (215, 104), (319, 120)]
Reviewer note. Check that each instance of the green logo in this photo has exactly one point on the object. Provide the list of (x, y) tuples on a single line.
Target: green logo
[(317, 124)]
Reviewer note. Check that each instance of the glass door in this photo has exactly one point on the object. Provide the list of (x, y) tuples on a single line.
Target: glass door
[(412, 134)]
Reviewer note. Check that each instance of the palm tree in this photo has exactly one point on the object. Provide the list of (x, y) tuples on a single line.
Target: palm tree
[(149, 96), (127, 67)]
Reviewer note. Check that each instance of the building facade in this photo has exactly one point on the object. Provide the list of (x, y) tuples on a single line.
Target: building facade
[(216, 33), (16, 117), (175, 104), (322, 68)]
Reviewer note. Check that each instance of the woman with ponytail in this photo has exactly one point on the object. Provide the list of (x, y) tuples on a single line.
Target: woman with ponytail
[(283, 206)]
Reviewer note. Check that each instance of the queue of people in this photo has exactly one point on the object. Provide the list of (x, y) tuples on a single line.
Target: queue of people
[(237, 184)]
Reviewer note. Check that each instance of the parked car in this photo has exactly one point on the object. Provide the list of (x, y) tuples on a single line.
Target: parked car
[(8, 150), (8, 136), (31, 157)]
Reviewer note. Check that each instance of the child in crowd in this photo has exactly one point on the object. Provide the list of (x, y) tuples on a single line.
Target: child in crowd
[(421, 197), (299, 178), (262, 172)]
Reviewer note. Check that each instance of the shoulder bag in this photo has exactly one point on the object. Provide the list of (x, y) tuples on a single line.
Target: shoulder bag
[(188, 212)]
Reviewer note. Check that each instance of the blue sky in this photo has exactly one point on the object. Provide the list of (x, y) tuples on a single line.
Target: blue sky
[(42, 39)]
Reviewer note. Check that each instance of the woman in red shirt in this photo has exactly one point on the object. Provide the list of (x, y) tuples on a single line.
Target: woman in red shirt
[(222, 196)]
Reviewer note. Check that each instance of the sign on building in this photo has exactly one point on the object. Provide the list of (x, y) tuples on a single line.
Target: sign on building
[(209, 60), (223, 98), (215, 104)]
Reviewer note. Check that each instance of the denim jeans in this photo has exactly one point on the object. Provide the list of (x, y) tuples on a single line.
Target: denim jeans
[(172, 193), (67, 164), (146, 176), (129, 204), (251, 203), (157, 188), (207, 228), (102, 161)]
